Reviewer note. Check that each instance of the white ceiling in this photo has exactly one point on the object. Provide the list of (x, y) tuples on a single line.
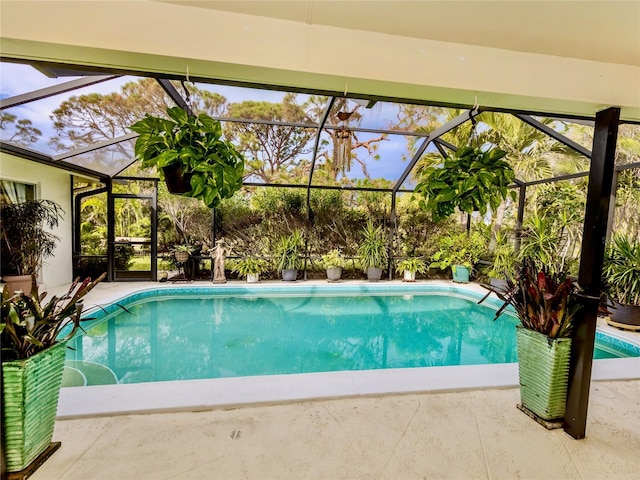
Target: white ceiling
[(604, 30)]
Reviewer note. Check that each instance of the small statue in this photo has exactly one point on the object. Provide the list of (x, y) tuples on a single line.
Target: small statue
[(219, 256)]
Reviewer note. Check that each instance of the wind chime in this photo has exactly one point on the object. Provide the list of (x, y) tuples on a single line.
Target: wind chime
[(342, 144)]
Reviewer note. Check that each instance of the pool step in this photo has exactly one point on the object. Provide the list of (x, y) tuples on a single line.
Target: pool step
[(78, 373)]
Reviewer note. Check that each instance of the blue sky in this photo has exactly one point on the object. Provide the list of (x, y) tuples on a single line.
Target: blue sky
[(16, 79)]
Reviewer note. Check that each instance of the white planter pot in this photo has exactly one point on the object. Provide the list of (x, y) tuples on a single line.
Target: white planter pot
[(409, 276), (253, 277)]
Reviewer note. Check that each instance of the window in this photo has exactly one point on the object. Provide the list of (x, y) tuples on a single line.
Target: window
[(16, 192)]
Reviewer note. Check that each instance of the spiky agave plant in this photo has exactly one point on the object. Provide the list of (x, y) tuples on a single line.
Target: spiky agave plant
[(545, 302)]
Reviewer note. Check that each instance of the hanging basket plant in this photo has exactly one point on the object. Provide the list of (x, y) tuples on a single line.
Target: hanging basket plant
[(469, 180), (191, 154)]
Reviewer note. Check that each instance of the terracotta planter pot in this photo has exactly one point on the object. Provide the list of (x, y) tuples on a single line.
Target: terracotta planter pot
[(18, 282)]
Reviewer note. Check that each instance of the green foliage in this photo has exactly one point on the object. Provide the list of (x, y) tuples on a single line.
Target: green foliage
[(551, 233), (372, 250), (196, 144), (272, 151), (25, 242), (333, 259), (412, 264), (182, 248), (545, 302), (459, 249), (621, 270), (627, 214), (123, 255), (470, 180), (417, 233), (250, 265), (288, 251), (29, 326), (503, 258)]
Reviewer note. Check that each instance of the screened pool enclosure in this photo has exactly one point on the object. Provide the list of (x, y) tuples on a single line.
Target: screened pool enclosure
[(77, 120)]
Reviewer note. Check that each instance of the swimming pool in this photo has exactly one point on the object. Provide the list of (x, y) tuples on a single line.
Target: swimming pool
[(204, 333)]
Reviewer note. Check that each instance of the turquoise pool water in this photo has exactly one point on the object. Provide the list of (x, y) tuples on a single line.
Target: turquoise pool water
[(180, 334)]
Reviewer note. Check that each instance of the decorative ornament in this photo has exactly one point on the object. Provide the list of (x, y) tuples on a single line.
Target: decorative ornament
[(342, 144)]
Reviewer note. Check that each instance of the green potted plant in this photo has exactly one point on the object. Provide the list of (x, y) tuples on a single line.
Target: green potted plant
[(503, 261), (621, 276), (191, 154), (546, 305), (409, 267), (468, 180), (460, 252), (373, 251), (333, 262), (25, 239), (33, 335), (250, 267), (288, 255), (181, 253)]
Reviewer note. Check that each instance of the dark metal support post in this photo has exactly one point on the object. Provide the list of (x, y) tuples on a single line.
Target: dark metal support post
[(589, 278), (111, 233), (310, 217), (154, 233), (612, 204), (214, 225), (392, 233), (521, 200)]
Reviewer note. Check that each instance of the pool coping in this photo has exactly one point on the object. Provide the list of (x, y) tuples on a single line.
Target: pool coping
[(194, 395)]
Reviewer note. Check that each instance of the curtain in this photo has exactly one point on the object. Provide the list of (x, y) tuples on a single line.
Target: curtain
[(14, 192)]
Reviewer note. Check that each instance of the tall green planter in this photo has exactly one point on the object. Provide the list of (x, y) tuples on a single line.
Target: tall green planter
[(543, 366), (30, 401)]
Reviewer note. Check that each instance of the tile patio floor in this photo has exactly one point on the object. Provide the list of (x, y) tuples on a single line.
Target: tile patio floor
[(471, 434)]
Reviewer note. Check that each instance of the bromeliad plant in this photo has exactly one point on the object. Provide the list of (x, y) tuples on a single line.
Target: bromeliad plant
[(29, 326), (195, 144), (545, 303), (469, 180)]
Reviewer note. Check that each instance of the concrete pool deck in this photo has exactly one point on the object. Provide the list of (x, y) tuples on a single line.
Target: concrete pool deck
[(386, 432)]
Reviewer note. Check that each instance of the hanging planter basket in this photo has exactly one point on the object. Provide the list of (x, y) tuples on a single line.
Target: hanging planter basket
[(30, 400), (178, 181), (543, 366)]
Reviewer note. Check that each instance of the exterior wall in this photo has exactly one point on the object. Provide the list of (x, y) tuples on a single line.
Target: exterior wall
[(51, 184)]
